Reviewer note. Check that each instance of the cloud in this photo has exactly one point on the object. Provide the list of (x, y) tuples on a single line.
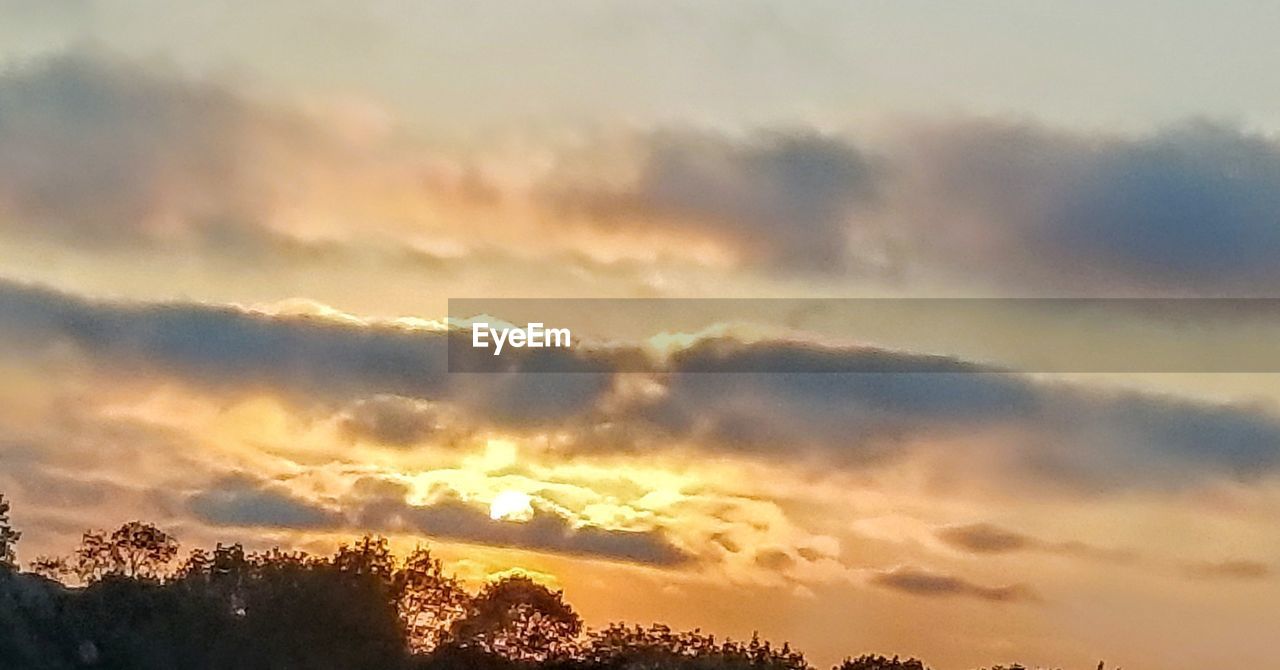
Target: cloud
[(1190, 209), (933, 585), (379, 505), (774, 560), (1081, 439), (1238, 569), (307, 357), (1084, 439), (392, 420), (102, 153), (985, 538), (106, 154), (222, 345), (784, 199), (95, 151), (242, 501), (451, 518)]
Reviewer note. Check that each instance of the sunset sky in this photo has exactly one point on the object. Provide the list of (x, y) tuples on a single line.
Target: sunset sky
[(229, 232)]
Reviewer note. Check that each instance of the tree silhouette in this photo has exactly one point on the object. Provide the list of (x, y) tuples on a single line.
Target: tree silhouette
[(428, 601), (658, 647), (369, 556), (339, 611), (135, 550), (8, 538), (871, 662), (51, 567), (518, 619)]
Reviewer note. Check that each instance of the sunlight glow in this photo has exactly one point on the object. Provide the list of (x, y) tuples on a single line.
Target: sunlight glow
[(511, 506)]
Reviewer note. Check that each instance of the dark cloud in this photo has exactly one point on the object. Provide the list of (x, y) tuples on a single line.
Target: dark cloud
[(785, 199), (1191, 209), (985, 538), (220, 346), (305, 357), (1089, 440), (775, 560), (242, 501), (1238, 569), (933, 585), (1187, 210)]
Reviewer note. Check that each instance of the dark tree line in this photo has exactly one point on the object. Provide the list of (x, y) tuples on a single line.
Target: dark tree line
[(123, 600)]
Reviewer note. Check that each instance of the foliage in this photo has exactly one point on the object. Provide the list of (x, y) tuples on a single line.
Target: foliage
[(8, 538), (428, 601), (51, 567), (519, 619), (637, 648), (135, 550), (872, 662)]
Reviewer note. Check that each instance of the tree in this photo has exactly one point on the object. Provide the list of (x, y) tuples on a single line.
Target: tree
[(8, 538), (659, 648), (518, 619), (51, 567), (299, 611), (368, 556), (222, 574), (135, 550), (428, 601), (870, 662)]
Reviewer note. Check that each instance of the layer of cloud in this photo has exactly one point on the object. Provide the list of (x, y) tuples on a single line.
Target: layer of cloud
[(1190, 209), (919, 582), (381, 506), (545, 531), (1079, 438), (100, 153), (1086, 439), (303, 356)]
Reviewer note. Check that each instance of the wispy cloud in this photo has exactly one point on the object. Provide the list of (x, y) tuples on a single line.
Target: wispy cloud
[(1236, 569), (919, 582), (985, 538)]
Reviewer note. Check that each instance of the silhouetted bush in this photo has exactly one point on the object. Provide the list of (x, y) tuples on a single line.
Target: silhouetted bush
[(870, 662)]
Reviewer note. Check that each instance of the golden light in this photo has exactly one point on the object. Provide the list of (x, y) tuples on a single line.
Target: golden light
[(511, 506)]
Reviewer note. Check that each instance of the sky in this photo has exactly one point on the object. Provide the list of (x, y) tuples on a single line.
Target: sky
[(229, 232)]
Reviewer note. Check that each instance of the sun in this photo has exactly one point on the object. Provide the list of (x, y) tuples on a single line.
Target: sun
[(511, 506)]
